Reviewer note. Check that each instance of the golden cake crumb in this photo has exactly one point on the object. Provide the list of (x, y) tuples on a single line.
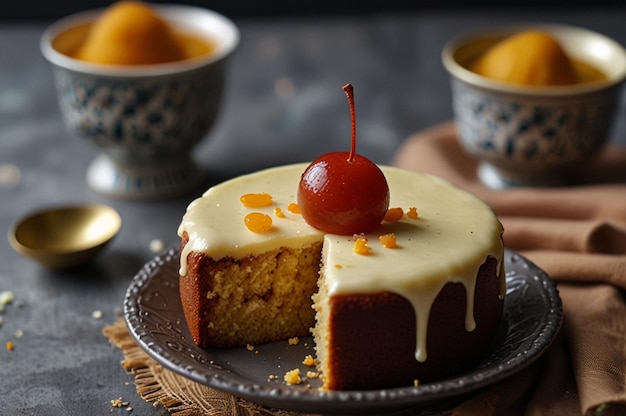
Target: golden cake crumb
[(394, 214), (293, 341), (360, 246), (293, 377), (309, 361), (119, 402), (10, 346), (250, 347), (256, 200), (312, 374), (272, 377), (416, 383), (412, 213), (388, 240)]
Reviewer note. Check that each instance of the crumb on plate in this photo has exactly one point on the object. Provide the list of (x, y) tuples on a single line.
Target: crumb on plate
[(293, 377)]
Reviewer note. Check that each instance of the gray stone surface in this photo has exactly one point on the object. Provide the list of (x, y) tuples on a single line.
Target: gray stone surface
[(283, 104)]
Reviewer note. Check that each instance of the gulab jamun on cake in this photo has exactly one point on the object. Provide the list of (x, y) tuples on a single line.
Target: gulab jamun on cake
[(409, 291)]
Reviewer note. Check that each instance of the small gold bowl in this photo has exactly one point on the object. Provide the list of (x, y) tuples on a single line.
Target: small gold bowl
[(65, 237)]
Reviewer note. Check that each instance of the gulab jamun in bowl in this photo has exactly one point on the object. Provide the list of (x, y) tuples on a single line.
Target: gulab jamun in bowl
[(533, 102), (143, 84)]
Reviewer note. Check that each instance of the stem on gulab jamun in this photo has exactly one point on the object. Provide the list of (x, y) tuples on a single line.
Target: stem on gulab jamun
[(350, 94)]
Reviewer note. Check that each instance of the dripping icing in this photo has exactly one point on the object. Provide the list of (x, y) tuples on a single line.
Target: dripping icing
[(422, 303)]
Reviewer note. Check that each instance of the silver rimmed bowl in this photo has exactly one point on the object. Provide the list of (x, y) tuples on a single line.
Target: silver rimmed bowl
[(534, 135), (144, 120)]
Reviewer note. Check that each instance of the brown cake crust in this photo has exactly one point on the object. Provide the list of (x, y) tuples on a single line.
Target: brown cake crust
[(375, 335)]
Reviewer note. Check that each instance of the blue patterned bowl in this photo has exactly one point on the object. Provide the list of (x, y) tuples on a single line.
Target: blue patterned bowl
[(144, 120), (530, 135)]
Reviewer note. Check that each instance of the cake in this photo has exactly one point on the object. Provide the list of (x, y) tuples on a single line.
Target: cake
[(415, 299)]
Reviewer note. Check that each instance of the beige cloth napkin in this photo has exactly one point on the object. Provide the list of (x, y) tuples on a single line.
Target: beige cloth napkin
[(577, 235)]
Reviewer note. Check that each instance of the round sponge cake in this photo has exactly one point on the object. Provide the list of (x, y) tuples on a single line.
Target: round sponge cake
[(383, 313)]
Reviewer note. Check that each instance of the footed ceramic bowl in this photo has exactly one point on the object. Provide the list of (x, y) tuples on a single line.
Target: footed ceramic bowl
[(143, 120), (534, 135)]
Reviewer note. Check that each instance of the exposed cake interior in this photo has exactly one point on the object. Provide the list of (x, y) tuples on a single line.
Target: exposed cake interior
[(253, 300)]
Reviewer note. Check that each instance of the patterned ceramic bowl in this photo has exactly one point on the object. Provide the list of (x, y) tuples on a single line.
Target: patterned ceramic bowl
[(534, 136), (144, 120)]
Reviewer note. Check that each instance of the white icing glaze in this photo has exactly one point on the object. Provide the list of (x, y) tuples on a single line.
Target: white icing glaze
[(215, 224), (448, 242)]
